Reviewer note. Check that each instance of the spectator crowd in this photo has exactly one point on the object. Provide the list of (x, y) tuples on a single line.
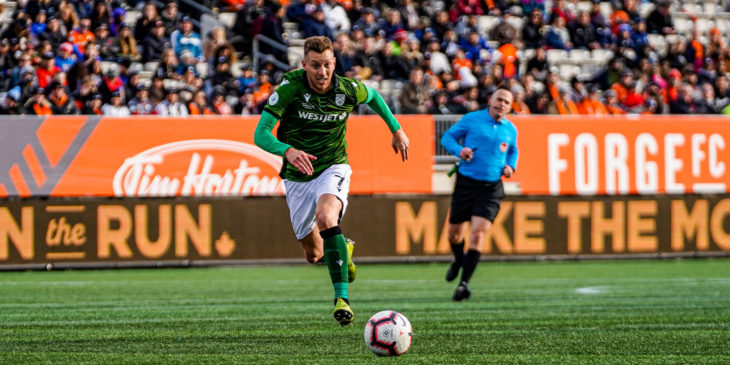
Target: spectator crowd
[(427, 56)]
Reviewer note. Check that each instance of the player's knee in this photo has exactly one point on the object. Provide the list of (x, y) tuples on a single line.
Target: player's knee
[(325, 220)]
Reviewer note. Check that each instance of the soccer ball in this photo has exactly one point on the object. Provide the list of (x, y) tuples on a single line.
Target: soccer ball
[(388, 333)]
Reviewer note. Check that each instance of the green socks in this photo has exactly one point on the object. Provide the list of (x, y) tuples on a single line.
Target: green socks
[(335, 254)]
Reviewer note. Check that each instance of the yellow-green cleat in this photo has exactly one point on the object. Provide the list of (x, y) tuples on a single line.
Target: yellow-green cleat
[(351, 267), (343, 312)]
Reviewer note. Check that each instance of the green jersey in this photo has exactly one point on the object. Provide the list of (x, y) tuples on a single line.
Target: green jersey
[(312, 122)]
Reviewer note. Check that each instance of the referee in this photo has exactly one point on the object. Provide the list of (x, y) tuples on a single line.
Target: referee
[(478, 191)]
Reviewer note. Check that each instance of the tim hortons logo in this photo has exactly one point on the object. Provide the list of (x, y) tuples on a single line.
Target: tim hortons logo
[(201, 167)]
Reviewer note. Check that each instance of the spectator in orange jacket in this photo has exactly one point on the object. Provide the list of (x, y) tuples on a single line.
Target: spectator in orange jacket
[(82, 35)]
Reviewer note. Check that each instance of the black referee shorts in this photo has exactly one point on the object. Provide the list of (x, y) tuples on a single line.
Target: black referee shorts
[(474, 197)]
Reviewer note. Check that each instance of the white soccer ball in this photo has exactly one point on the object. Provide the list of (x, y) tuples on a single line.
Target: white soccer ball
[(388, 333)]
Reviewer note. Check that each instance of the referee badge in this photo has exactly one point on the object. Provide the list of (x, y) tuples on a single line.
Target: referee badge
[(503, 147), (340, 99)]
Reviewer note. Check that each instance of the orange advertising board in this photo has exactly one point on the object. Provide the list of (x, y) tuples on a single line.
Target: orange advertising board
[(621, 155), (208, 156)]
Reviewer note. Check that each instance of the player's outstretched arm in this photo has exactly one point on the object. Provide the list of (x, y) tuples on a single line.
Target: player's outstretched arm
[(400, 140), (263, 137)]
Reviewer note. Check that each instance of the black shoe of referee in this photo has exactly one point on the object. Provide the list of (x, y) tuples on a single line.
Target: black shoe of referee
[(461, 292)]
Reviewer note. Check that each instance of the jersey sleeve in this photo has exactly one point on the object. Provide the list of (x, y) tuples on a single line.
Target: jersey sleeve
[(279, 100), (361, 92), (450, 138)]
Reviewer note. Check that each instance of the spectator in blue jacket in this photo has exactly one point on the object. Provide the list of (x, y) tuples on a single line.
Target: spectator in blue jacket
[(186, 39)]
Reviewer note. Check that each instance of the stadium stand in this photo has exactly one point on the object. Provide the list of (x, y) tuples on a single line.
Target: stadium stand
[(669, 46)]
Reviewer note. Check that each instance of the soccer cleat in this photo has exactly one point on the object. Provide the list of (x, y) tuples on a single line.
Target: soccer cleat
[(461, 293), (351, 268), (453, 271), (343, 312)]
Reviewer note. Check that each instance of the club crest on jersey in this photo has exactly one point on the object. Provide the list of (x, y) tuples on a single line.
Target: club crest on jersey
[(503, 146), (340, 99), (274, 98)]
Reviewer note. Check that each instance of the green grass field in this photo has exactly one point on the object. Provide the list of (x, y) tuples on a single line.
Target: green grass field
[(552, 312)]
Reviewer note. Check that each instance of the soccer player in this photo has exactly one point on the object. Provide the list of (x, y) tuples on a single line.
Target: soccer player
[(489, 151), (312, 105)]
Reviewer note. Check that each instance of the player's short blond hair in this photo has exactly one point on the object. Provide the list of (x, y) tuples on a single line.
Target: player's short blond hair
[(317, 44)]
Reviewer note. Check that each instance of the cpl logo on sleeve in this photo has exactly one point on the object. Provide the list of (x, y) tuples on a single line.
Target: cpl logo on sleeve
[(503, 147), (274, 98)]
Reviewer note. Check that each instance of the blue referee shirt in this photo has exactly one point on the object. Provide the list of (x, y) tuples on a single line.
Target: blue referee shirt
[(496, 143)]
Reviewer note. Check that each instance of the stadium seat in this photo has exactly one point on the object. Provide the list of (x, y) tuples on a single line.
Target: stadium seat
[(486, 23), (579, 55), (554, 56), (131, 16), (202, 68), (151, 66), (291, 30), (372, 83), (601, 56), (6, 11), (526, 54), (704, 24), (236, 69), (710, 7), (683, 25), (227, 19), (673, 38), (136, 67), (590, 68), (606, 10), (567, 71), (645, 9), (584, 6)]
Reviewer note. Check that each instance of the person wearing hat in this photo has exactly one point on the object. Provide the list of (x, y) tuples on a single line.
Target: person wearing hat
[(66, 57), (39, 23), (61, 102), (47, 69), (613, 106), (592, 103), (141, 103), (187, 39), (155, 43), (314, 25), (93, 105), (246, 79), (660, 20), (115, 107), (367, 22), (10, 102), (117, 21), (104, 42), (38, 104), (82, 35), (53, 33), (172, 106)]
